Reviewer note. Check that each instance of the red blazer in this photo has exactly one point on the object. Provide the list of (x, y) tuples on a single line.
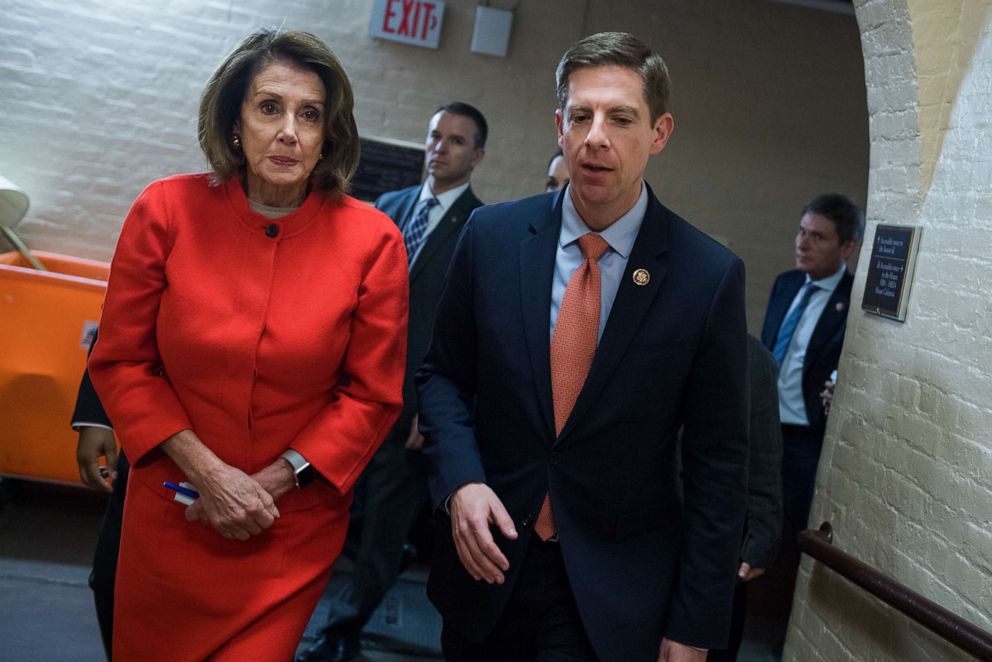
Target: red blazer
[(259, 335)]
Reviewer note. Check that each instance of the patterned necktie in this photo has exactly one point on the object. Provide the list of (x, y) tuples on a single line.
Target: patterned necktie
[(573, 346), (413, 233), (791, 322)]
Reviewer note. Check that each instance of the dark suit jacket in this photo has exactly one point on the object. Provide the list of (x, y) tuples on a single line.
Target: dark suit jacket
[(426, 280), (823, 352), (645, 556), (764, 479), (88, 408)]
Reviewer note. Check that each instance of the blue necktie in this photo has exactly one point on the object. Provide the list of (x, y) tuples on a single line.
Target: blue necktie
[(791, 322), (413, 233)]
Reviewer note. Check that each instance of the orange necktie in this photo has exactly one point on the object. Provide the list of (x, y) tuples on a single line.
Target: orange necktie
[(573, 346)]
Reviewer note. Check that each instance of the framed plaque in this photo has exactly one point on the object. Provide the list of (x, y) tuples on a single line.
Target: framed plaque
[(890, 272), (386, 165)]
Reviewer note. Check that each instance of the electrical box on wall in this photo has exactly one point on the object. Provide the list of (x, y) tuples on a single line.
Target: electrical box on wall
[(492, 31)]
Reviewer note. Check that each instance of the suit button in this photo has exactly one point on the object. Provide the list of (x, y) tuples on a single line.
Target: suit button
[(555, 458)]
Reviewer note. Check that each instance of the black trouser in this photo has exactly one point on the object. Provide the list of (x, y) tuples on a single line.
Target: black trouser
[(800, 457), (736, 627), (388, 498), (108, 544), (540, 621)]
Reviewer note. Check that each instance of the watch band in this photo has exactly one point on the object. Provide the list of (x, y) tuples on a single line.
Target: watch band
[(303, 472)]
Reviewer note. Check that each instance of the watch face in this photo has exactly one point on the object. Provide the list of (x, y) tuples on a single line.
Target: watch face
[(305, 475)]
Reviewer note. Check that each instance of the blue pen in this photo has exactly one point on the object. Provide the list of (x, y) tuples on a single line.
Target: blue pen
[(182, 488)]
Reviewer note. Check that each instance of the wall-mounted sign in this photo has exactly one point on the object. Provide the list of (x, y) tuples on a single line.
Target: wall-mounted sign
[(416, 22), (386, 165), (890, 272)]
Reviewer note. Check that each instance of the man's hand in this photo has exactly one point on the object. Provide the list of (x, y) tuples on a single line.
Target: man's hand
[(827, 396), (414, 440), (233, 503), (673, 651), (93, 443), (746, 573), (474, 507)]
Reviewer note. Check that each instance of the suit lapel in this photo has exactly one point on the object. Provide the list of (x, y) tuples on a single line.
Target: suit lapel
[(451, 222), (537, 266), (780, 305), (833, 315), (629, 307), (405, 208)]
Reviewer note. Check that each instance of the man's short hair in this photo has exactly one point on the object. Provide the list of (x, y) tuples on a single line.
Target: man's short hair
[(847, 217), (474, 114), (623, 50)]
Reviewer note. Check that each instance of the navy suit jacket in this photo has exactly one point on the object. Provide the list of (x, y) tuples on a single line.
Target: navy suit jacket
[(426, 280), (823, 351), (88, 407), (648, 554)]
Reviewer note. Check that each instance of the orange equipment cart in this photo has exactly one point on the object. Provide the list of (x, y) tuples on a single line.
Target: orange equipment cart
[(46, 321)]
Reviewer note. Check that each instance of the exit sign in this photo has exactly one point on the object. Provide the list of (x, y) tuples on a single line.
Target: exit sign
[(416, 22)]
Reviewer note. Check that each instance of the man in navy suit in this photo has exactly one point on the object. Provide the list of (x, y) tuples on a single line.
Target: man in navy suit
[(96, 440), (579, 532), (393, 488), (804, 330)]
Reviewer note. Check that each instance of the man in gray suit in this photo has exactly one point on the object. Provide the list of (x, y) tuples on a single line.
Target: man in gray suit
[(393, 488)]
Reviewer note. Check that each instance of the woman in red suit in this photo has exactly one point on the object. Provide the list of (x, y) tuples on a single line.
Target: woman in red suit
[(252, 344)]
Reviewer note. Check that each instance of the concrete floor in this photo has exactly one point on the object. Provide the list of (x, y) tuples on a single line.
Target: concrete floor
[(47, 536)]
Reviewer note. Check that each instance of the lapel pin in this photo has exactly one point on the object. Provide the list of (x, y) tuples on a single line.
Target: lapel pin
[(840, 306), (641, 277)]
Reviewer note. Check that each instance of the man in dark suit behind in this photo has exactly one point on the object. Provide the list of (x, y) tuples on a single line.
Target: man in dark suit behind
[(96, 440), (804, 330), (393, 487), (763, 525), (578, 331)]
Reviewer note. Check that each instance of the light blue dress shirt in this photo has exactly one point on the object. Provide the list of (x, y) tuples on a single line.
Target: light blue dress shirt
[(620, 236), (791, 405)]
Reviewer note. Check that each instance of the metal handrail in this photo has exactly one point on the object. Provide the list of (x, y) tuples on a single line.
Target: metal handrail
[(954, 629)]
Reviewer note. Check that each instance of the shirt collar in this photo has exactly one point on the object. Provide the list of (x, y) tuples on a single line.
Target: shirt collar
[(446, 199), (830, 283), (620, 235)]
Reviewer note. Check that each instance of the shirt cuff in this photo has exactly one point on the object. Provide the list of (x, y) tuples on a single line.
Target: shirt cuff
[(78, 425)]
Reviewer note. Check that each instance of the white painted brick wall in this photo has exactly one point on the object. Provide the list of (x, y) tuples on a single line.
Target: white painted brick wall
[(100, 97), (906, 471)]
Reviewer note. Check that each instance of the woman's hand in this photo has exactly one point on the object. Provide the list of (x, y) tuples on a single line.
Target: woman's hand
[(234, 503), (277, 478), (230, 501)]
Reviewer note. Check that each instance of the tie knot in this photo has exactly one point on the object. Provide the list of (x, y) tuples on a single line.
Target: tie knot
[(429, 203), (593, 246)]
